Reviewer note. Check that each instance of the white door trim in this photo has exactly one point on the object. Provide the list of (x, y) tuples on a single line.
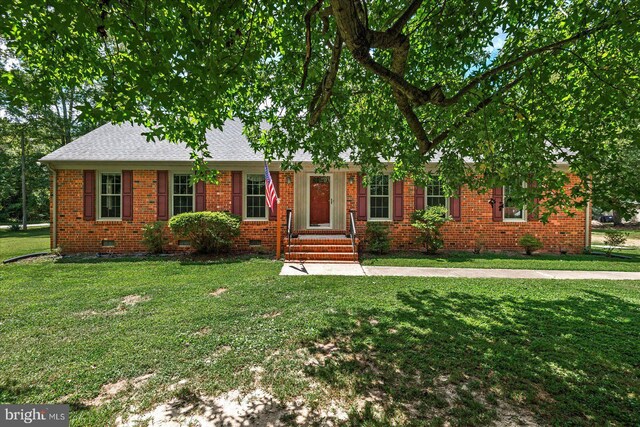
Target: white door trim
[(331, 180)]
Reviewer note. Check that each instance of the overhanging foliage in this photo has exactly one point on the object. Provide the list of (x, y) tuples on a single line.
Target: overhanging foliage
[(495, 93)]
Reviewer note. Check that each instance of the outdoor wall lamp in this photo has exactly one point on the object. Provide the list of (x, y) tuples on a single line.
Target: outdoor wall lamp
[(351, 179), (288, 179)]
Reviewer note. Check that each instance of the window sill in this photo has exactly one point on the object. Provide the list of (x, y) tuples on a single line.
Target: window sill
[(109, 220), (255, 220), (513, 220), (379, 220)]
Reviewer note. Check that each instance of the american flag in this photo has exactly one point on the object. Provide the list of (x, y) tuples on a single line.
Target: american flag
[(270, 190)]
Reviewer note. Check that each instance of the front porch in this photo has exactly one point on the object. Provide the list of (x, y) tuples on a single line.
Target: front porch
[(317, 228), (321, 245)]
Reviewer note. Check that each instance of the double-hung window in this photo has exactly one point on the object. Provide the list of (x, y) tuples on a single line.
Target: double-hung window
[(434, 195), (110, 198), (510, 210), (379, 198), (256, 204), (182, 194)]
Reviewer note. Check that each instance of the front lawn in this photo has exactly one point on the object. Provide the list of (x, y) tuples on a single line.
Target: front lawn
[(509, 260), (15, 243), (113, 336)]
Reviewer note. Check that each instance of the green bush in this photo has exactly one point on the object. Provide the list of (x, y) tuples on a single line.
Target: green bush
[(429, 222), (530, 243), (377, 238), (614, 238), (208, 232), (154, 237)]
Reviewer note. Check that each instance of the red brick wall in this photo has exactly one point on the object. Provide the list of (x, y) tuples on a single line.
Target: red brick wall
[(76, 235), (219, 199), (476, 228)]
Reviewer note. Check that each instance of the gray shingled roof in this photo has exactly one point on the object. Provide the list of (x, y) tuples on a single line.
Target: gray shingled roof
[(125, 142)]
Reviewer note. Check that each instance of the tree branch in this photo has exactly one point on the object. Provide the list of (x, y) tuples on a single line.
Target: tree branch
[(520, 59), (398, 66), (397, 27), (325, 89), (473, 111), (307, 24)]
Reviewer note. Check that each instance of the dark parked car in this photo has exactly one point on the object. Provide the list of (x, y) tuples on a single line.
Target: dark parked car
[(606, 218)]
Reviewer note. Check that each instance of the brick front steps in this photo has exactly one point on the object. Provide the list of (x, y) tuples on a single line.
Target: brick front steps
[(321, 247)]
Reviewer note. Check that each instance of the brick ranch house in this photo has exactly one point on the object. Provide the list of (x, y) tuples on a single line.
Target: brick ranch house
[(110, 182)]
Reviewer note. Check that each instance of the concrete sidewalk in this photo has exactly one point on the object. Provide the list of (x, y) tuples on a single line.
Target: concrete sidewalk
[(355, 269)]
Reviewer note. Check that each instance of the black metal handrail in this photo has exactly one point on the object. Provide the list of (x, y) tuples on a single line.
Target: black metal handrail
[(289, 229), (352, 230)]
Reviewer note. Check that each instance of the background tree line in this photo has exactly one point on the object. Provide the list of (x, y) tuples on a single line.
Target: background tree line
[(38, 114)]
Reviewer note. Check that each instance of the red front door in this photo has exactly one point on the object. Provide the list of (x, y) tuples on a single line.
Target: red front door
[(320, 201)]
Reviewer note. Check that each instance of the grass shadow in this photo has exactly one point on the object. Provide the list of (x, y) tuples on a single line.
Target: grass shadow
[(30, 233), (191, 259), (466, 359), (462, 257)]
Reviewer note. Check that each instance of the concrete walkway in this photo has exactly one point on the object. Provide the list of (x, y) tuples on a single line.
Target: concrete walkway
[(355, 269)]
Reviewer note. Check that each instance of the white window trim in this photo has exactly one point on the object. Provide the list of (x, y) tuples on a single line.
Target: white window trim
[(426, 197), (390, 198), (245, 177), (193, 195), (99, 216), (524, 208)]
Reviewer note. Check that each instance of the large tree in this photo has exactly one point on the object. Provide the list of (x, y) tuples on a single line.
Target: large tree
[(494, 92), (38, 115)]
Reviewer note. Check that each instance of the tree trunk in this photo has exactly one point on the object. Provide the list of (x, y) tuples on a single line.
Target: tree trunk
[(617, 219), (24, 180)]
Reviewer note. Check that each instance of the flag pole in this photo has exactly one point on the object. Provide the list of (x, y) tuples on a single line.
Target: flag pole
[(278, 230)]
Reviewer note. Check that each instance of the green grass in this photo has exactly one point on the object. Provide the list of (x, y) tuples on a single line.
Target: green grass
[(427, 350), (509, 260), (15, 243)]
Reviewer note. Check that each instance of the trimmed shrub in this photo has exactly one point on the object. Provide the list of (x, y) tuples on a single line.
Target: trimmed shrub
[(530, 243), (377, 238), (429, 222), (208, 232), (614, 238), (154, 237)]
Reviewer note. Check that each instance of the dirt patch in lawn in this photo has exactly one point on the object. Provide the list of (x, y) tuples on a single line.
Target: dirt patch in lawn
[(442, 399), (218, 292), (219, 352), (122, 308), (110, 391), (131, 300), (202, 332), (233, 409), (506, 414), (271, 315)]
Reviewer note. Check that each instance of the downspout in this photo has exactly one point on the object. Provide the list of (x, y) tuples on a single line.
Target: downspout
[(587, 226), (587, 218), (54, 213)]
